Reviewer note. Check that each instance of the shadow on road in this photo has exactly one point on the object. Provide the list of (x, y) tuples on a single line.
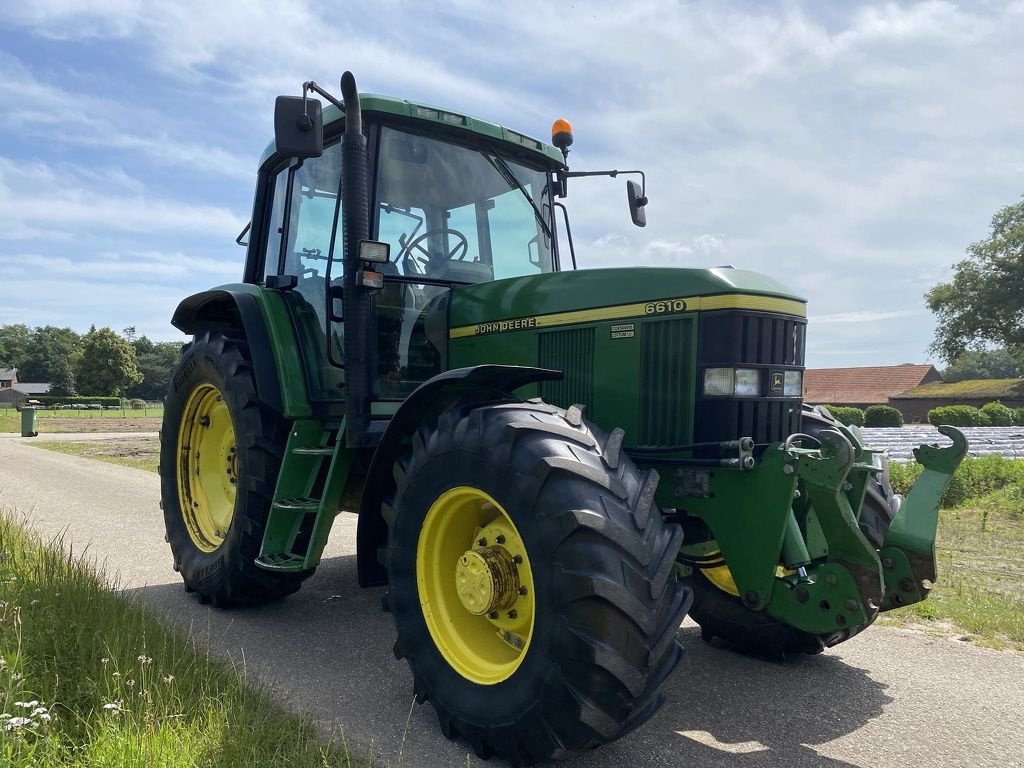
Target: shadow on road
[(327, 650)]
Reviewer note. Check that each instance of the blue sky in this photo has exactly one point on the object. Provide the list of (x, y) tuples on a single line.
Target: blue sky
[(851, 150)]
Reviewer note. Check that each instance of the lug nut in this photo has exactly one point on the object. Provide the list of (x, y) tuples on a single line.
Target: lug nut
[(499, 539), (513, 614), (522, 590), (517, 559), (482, 542), (851, 604), (492, 615)]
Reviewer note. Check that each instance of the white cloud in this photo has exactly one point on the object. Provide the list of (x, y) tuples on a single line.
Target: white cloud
[(44, 202)]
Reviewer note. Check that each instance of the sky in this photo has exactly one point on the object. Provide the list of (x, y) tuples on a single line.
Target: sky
[(850, 150)]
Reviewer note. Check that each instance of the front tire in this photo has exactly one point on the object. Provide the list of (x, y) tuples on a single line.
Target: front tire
[(531, 581), (220, 454)]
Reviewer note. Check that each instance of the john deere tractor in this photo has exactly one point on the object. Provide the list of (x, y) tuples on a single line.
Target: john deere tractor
[(550, 465)]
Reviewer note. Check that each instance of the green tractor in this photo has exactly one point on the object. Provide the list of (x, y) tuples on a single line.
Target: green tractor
[(549, 465)]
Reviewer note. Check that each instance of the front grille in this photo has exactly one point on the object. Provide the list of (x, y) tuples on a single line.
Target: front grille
[(745, 339), (571, 352)]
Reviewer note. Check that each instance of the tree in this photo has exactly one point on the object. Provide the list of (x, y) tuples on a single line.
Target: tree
[(14, 345), (983, 305), (50, 349), (985, 364), (108, 364), (62, 382), (155, 362)]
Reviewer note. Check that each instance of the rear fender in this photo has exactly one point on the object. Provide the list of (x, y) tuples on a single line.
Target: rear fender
[(461, 386), (221, 309)]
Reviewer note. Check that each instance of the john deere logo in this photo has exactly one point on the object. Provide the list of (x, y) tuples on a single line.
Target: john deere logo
[(777, 381)]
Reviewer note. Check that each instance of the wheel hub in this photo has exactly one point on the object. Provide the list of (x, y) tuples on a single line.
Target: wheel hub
[(486, 580)]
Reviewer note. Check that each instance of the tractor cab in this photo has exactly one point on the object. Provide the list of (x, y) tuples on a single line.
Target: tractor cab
[(452, 201)]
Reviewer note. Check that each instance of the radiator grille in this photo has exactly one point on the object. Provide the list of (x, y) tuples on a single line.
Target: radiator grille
[(666, 378), (770, 342), (571, 352)]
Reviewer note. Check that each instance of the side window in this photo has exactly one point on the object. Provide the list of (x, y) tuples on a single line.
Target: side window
[(312, 203), (273, 250)]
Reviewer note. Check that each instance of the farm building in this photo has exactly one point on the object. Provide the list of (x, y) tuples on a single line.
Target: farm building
[(863, 387)]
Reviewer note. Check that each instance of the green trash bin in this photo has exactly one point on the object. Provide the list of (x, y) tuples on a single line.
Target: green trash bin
[(29, 422)]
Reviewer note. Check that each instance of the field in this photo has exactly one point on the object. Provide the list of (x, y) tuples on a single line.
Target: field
[(120, 420)]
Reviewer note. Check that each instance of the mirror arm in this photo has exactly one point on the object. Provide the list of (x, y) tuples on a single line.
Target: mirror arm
[(310, 85), (613, 174)]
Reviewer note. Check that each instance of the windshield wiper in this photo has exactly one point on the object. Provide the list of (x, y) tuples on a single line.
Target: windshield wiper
[(509, 176)]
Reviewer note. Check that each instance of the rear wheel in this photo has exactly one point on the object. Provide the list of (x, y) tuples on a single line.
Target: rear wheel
[(717, 607), (220, 452), (531, 581)]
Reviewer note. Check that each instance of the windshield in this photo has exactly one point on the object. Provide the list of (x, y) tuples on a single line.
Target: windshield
[(458, 214)]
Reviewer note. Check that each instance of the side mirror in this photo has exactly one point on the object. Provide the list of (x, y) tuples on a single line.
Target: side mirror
[(298, 127), (637, 201)]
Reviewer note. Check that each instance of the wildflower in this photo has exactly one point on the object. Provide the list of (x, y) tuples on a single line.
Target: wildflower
[(114, 707), (145, 660), (168, 679), (27, 704), (18, 722), (34, 603), (38, 711), (115, 674), (104, 661), (130, 683)]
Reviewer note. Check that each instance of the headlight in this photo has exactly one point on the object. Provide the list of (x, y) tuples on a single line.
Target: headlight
[(744, 382), (748, 382), (794, 384), (719, 381)]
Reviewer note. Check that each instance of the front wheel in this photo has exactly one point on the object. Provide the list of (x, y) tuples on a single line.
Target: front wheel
[(220, 453), (531, 581)]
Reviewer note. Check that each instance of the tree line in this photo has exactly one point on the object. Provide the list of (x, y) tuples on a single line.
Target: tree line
[(99, 363)]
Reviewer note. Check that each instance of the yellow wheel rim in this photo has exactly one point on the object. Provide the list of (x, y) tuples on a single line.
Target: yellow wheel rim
[(475, 585), (722, 578), (207, 467)]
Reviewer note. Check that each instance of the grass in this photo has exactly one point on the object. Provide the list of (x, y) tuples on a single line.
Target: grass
[(138, 452), (990, 388), (128, 420), (980, 588), (89, 678)]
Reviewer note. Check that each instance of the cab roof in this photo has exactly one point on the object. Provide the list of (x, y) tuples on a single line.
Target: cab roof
[(375, 103)]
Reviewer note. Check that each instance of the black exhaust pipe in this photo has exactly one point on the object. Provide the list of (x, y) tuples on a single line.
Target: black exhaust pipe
[(356, 301)]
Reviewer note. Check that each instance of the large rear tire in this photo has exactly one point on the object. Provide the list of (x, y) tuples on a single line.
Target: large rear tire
[(531, 581), (220, 453), (720, 613)]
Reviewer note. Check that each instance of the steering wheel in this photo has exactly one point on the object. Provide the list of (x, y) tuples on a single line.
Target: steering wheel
[(416, 257)]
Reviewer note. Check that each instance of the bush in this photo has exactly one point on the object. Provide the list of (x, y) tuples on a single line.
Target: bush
[(882, 416), (998, 414), (975, 478), (137, 404), (846, 414), (957, 416), (1018, 417)]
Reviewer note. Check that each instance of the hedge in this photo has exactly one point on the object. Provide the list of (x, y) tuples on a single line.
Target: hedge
[(998, 414), (882, 416), (847, 414), (55, 399), (1018, 417), (957, 416)]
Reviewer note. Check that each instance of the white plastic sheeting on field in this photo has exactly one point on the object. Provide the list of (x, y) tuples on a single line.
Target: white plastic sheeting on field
[(982, 441)]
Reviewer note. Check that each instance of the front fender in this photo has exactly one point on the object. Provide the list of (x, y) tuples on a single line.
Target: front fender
[(460, 386)]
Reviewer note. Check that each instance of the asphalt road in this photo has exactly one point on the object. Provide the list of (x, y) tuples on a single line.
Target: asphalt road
[(886, 698)]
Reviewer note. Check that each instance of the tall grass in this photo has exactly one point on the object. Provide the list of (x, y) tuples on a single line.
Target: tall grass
[(89, 678), (974, 479)]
